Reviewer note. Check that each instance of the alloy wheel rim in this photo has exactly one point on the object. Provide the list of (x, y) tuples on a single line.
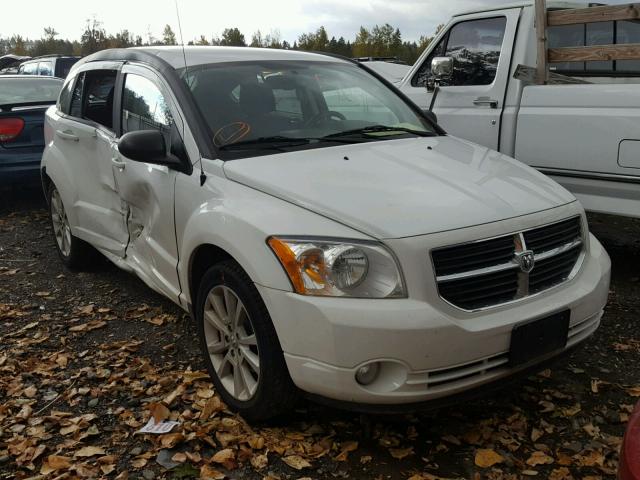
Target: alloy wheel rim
[(61, 227), (231, 343)]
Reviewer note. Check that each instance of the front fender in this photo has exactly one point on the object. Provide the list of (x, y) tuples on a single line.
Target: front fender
[(239, 220)]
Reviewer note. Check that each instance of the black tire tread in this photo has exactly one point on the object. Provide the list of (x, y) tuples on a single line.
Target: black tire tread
[(276, 393)]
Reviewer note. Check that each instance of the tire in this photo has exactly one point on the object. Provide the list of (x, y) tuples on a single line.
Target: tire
[(231, 357), (76, 254)]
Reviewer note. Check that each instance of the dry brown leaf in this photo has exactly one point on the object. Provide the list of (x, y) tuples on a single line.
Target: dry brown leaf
[(212, 406), (225, 457), (259, 461), (170, 440), (400, 453), (58, 462), (159, 412), (539, 458), (561, 473), (486, 457), (89, 451), (210, 473), (634, 391), (345, 448), (296, 461), (572, 411), (179, 457)]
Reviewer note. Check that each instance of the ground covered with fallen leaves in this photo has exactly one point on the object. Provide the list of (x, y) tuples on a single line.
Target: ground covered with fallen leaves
[(86, 359)]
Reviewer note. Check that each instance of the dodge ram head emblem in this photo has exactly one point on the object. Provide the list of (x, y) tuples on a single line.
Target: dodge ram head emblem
[(526, 260)]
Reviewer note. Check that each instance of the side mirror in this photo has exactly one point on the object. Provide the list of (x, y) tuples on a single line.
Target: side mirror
[(441, 72), (147, 146), (430, 116), (442, 68)]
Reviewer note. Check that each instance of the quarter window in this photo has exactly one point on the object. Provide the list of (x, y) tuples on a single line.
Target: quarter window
[(475, 47)]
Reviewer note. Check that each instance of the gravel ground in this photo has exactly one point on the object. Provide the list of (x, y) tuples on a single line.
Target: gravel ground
[(87, 358)]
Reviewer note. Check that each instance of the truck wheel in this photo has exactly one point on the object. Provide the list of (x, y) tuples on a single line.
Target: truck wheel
[(76, 254), (240, 345)]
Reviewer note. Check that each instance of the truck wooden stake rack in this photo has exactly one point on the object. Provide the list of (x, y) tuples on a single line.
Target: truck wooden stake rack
[(552, 18)]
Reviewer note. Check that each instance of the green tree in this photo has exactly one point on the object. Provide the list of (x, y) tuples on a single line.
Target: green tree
[(202, 41), (93, 38), (314, 41), (232, 37), (168, 36)]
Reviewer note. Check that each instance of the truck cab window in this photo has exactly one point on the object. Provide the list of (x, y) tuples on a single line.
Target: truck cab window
[(475, 47)]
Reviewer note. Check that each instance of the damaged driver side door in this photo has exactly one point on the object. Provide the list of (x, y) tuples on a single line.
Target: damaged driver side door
[(147, 190)]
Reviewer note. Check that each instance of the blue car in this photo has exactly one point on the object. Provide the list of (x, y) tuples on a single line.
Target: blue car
[(23, 101)]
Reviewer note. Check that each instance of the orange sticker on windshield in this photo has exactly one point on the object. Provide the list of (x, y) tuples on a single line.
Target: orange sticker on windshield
[(231, 133)]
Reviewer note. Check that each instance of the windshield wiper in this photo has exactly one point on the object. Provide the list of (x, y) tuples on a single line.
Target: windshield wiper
[(278, 142), (378, 129)]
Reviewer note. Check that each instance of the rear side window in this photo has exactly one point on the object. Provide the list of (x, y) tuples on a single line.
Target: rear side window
[(475, 47), (92, 97), (45, 69), (144, 107)]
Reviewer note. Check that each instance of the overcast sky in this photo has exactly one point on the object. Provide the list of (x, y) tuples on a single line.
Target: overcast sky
[(210, 17)]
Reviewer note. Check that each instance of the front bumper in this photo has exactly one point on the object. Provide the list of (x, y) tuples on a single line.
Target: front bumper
[(427, 349)]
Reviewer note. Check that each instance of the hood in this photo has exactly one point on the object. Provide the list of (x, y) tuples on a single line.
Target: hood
[(405, 187)]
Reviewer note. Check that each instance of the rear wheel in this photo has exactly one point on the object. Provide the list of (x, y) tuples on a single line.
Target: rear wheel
[(240, 345), (74, 253)]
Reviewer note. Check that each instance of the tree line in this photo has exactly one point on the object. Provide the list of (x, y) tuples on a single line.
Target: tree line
[(379, 41)]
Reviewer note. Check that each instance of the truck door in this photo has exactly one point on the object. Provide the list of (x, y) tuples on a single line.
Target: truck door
[(470, 104)]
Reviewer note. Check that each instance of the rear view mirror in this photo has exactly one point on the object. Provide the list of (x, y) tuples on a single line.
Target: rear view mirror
[(147, 146), (441, 72), (442, 68)]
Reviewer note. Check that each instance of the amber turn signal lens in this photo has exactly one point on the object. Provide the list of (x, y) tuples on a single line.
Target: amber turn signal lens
[(288, 260)]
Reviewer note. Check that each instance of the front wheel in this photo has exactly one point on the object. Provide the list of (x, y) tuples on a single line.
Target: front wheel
[(74, 253), (240, 345)]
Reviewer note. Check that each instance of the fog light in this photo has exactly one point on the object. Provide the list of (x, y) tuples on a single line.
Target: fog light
[(366, 375)]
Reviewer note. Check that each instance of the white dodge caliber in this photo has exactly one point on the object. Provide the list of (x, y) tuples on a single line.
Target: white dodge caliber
[(326, 236)]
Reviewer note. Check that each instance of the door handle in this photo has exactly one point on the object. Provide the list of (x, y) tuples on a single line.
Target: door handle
[(118, 163), (485, 101), (67, 135)]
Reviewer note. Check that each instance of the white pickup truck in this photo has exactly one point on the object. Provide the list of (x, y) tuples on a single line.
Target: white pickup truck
[(585, 136)]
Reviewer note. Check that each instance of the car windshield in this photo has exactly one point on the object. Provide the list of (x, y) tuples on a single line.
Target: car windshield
[(23, 90), (252, 108)]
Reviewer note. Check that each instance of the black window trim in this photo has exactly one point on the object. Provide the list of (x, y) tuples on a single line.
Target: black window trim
[(445, 38)]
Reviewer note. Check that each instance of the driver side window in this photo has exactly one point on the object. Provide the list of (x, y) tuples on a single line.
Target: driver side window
[(475, 47), (144, 107)]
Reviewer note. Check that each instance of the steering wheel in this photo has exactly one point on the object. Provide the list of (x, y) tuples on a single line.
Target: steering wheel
[(313, 121)]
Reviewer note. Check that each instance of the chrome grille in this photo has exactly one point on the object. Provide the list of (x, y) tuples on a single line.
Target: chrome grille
[(492, 272)]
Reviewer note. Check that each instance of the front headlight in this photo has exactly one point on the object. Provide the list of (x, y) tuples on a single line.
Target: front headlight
[(335, 268)]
